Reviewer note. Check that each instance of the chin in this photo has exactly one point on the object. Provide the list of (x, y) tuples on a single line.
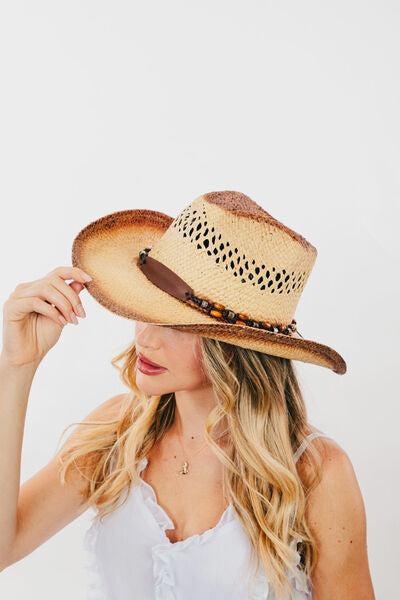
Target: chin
[(151, 387)]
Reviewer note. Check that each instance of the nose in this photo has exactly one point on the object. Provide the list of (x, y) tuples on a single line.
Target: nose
[(147, 335)]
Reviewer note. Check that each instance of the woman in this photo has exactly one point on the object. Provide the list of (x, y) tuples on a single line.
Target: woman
[(207, 478)]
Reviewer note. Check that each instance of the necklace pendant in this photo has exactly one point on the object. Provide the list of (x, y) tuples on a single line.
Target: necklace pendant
[(184, 468)]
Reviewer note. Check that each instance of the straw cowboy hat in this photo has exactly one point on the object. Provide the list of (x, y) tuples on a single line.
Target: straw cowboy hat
[(223, 268)]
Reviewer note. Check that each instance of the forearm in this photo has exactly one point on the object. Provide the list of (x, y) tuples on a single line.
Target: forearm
[(15, 385)]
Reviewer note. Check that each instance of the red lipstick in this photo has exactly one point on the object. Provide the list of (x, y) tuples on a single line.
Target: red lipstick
[(147, 366)]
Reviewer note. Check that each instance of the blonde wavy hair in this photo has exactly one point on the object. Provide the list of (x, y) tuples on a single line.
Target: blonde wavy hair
[(260, 403)]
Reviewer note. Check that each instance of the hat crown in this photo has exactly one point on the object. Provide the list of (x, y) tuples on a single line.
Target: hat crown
[(231, 251)]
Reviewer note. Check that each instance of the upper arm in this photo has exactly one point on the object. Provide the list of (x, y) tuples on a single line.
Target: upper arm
[(45, 505), (336, 516)]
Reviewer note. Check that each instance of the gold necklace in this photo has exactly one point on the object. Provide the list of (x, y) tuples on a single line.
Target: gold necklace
[(184, 468)]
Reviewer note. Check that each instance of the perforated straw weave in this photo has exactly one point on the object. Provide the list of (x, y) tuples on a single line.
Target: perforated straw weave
[(222, 268)]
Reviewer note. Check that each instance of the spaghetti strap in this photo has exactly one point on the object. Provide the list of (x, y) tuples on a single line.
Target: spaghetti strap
[(306, 441)]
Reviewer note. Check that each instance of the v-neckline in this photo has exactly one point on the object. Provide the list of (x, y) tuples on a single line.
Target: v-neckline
[(165, 522)]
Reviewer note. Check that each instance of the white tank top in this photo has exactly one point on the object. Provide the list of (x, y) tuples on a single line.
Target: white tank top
[(130, 557)]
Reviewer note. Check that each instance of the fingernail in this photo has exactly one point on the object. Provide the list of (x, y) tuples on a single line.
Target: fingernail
[(73, 318), (80, 310), (86, 277)]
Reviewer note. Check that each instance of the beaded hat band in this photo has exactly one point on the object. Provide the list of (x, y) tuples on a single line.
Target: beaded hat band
[(223, 268)]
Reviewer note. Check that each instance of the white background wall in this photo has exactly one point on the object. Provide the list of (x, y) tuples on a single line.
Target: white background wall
[(113, 105)]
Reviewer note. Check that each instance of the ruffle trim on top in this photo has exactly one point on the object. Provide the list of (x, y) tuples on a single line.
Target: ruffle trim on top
[(165, 522), (95, 590), (163, 572), (162, 554)]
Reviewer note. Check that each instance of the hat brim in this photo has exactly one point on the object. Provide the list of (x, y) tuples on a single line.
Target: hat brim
[(108, 250)]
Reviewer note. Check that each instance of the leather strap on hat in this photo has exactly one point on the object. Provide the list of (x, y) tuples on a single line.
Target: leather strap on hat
[(163, 277)]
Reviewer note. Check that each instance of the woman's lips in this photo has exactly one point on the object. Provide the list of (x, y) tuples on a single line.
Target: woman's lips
[(149, 369)]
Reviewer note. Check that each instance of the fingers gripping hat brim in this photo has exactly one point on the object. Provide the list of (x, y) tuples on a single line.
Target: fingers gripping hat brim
[(108, 249)]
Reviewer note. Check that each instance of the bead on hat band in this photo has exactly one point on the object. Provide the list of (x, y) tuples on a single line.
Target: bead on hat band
[(170, 282)]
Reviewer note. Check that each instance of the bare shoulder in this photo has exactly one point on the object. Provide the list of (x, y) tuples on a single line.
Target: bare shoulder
[(336, 515), (338, 486)]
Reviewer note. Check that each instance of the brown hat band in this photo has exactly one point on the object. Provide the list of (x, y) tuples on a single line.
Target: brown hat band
[(167, 280)]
